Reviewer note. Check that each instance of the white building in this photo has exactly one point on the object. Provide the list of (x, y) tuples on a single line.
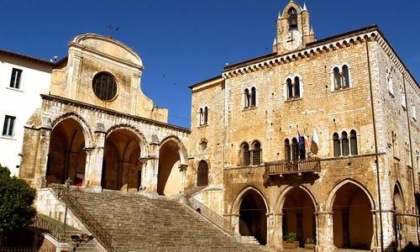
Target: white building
[(22, 80)]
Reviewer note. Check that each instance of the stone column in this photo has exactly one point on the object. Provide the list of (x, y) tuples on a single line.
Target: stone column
[(183, 170), (388, 234), (325, 231), (150, 167), (274, 230), (41, 159), (94, 161)]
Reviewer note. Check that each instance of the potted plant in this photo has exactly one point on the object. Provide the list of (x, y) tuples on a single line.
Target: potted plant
[(310, 244), (290, 241)]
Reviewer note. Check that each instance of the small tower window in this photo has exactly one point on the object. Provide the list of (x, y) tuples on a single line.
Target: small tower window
[(246, 155), (292, 19), (256, 153), (336, 145), (345, 143), (353, 142), (293, 88), (295, 149), (287, 150), (341, 77)]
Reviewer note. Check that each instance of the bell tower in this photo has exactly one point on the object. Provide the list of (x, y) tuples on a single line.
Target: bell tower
[(294, 29)]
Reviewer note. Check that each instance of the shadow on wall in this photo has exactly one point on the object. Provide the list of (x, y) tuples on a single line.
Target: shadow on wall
[(411, 247)]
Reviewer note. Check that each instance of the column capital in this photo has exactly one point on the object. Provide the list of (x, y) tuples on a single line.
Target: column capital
[(183, 167)]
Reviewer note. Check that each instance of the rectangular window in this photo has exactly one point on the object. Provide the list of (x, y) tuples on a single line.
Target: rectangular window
[(15, 79), (9, 122)]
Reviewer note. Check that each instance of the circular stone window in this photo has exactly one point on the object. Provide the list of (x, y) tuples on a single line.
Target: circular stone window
[(104, 86)]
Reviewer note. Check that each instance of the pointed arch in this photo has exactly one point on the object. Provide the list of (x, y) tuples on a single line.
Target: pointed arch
[(339, 185), (352, 206), (297, 206), (282, 197), (251, 208), (238, 200)]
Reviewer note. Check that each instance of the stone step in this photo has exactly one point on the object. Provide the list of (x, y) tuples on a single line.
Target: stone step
[(139, 223)]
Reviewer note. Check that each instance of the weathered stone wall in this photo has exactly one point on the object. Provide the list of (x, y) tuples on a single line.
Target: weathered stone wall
[(326, 111)]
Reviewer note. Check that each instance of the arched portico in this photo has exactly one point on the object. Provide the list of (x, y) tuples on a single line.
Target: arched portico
[(121, 169), (298, 214), (351, 205), (251, 209), (66, 156), (172, 164)]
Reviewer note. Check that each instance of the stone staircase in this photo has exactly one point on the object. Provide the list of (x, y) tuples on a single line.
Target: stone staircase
[(139, 223)]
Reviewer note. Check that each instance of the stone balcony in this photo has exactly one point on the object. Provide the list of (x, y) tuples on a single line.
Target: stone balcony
[(282, 168)]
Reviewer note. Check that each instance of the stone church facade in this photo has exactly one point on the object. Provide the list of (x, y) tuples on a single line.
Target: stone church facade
[(96, 127), (318, 139)]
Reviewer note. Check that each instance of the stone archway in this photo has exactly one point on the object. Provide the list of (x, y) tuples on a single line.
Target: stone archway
[(202, 173), (398, 202), (66, 157), (352, 209), (253, 216), (299, 215), (121, 168), (171, 163)]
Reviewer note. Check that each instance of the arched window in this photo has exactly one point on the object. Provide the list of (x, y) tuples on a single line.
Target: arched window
[(353, 142), (336, 145), (301, 147), (337, 78), (341, 77), (403, 102), (287, 153), (292, 19), (289, 89), (297, 87), (246, 155), (247, 98), (253, 97), (293, 88), (202, 174), (201, 115), (346, 78), (345, 143), (390, 81), (256, 153), (295, 149), (206, 115)]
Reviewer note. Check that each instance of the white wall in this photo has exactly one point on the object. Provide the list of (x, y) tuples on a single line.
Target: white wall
[(21, 103)]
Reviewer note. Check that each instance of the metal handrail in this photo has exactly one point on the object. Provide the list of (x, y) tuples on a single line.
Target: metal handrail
[(89, 221), (54, 229), (211, 215), (93, 225)]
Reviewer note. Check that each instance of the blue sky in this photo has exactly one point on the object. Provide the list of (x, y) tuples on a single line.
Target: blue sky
[(182, 42)]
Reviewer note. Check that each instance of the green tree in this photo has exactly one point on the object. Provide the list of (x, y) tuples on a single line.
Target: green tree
[(16, 199)]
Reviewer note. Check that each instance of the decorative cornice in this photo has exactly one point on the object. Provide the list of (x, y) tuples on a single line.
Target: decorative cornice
[(383, 43), (311, 50), (96, 108)]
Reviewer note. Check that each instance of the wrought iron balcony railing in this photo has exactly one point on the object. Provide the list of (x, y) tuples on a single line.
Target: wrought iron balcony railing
[(283, 167)]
